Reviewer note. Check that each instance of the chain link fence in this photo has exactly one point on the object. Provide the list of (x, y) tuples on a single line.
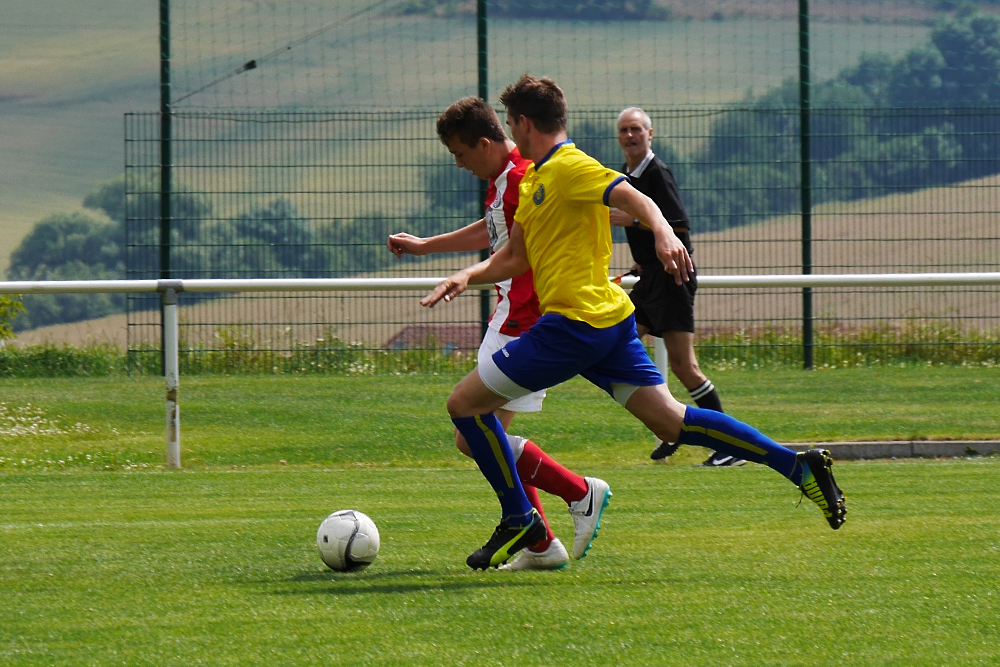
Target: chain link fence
[(304, 162)]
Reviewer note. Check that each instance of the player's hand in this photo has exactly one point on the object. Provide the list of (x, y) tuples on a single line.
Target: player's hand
[(403, 243), (675, 258), (620, 218), (447, 289)]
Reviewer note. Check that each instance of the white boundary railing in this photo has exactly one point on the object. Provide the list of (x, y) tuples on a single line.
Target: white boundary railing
[(169, 289)]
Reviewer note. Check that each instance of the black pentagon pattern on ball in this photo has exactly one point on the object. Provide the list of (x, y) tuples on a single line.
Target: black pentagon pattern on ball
[(350, 563)]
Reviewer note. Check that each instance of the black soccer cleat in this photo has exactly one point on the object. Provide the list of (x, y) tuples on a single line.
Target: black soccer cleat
[(506, 541), (819, 486), (663, 450)]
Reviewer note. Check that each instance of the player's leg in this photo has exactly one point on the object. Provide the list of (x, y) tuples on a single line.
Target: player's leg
[(548, 553), (471, 407), (547, 474), (668, 419), (534, 466), (634, 381), (586, 497), (665, 449), (684, 365), (551, 352)]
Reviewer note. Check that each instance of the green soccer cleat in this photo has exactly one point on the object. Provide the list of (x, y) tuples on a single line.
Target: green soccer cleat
[(819, 486), (506, 541)]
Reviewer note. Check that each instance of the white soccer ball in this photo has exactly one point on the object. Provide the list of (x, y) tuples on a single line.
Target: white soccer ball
[(348, 541)]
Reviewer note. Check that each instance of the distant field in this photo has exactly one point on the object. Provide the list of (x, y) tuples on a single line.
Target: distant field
[(849, 237), (69, 70)]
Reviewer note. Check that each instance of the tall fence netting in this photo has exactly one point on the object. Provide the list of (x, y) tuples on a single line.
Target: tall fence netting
[(303, 134)]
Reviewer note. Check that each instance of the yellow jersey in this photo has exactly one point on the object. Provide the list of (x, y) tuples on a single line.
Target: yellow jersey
[(563, 210)]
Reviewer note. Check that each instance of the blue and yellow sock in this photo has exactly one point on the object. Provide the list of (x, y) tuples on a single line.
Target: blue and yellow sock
[(718, 431), (491, 451)]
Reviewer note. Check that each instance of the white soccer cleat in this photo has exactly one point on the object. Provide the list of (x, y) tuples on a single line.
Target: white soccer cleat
[(586, 514), (553, 558)]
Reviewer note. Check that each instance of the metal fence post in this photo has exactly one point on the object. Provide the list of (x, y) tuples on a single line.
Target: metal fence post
[(166, 157), (171, 372), (806, 186), (484, 92)]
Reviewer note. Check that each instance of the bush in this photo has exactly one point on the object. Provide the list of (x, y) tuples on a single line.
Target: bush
[(34, 361)]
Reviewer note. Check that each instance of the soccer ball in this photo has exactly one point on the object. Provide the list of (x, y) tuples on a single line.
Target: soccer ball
[(347, 540)]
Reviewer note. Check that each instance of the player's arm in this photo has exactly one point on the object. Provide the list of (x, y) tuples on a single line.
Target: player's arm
[(468, 238), (669, 248), (620, 218), (511, 260)]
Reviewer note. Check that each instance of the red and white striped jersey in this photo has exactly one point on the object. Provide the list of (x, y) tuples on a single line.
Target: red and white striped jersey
[(517, 303)]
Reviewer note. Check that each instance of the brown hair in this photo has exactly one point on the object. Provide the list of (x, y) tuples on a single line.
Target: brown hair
[(537, 98), (470, 119)]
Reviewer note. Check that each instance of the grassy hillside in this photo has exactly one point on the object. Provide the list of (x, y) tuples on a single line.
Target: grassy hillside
[(69, 70), (849, 237)]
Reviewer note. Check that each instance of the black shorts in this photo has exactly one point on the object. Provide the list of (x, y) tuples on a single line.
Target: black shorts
[(661, 304)]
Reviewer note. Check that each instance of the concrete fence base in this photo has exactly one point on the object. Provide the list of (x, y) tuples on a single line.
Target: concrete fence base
[(903, 449)]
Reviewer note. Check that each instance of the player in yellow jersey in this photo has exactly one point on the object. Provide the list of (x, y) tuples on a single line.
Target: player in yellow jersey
[(562, 233)]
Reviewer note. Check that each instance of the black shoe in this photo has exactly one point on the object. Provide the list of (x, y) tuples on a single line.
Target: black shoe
[(819, 486), (663, 450), (506, 541), (717, 460)]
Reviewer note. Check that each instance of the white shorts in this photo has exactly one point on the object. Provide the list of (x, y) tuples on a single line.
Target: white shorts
[(492, 342)]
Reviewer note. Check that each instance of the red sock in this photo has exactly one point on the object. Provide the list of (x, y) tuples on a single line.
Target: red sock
[(536, 468), (536, 502)]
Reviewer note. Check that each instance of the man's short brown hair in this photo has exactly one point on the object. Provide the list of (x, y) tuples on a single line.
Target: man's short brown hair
[(470, 119), (537, 98)]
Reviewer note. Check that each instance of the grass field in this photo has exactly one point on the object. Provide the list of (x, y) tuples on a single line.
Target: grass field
[(692, 567), (400, 420), (105, 558)]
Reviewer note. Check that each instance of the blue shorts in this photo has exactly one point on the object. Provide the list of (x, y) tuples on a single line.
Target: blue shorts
[(557, 348)]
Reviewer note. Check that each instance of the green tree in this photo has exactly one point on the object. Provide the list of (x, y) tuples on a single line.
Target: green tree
[(70, 246), (969, 47), (68, 239), (10, 308)]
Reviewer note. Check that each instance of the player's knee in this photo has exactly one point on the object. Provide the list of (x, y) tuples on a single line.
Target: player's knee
[(456, 405), (462, 445)]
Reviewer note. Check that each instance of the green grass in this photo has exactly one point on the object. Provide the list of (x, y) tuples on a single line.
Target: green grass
[(401, 421), (692, 567), (112, 560)]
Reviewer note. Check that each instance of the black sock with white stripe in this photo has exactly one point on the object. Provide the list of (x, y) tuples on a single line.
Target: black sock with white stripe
[(705, 396)]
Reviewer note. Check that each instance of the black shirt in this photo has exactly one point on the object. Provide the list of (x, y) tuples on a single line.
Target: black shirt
[(657, 182)]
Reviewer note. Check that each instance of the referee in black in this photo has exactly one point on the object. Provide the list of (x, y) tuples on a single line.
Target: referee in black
[(663, 308)]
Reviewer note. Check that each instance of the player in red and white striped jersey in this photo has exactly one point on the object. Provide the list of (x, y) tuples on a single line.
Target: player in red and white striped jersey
[(475, 137)]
